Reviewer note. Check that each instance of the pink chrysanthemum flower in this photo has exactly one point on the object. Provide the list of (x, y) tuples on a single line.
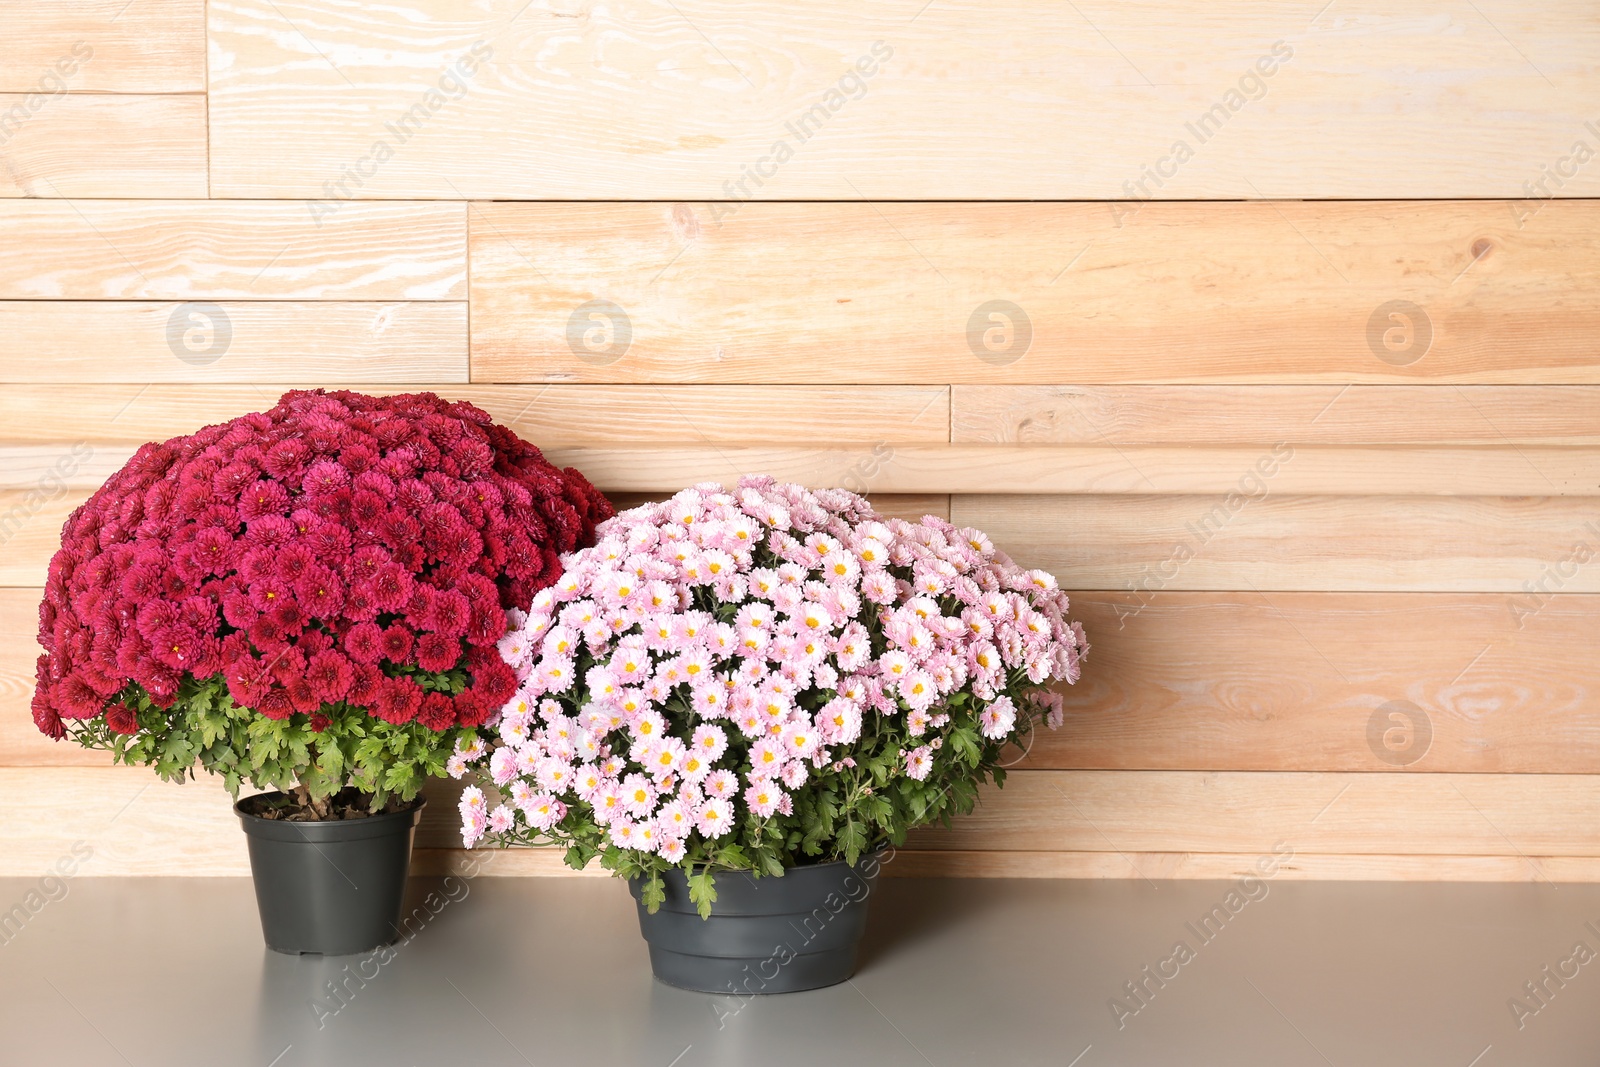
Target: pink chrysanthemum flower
[(714, 818), (638, 795), (998, 718), (709, 742), (763, 797)]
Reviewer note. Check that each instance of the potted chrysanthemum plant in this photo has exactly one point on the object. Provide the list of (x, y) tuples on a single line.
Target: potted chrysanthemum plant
[(307, 601), (738, 696)]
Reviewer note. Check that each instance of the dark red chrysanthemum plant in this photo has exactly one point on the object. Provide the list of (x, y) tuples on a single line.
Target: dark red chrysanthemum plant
[(308, 598)]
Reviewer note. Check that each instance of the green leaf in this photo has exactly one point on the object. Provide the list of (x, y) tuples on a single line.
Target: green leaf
[(702, 894), (653, 893)]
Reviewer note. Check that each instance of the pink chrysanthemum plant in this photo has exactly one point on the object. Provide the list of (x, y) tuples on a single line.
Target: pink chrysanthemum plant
[(753, 678), (306, 599)]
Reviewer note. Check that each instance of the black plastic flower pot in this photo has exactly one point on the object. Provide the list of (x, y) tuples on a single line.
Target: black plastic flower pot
[(764, 935), (334, 887)]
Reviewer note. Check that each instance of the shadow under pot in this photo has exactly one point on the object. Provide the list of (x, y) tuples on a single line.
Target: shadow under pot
[(764, 935), (334, 887)]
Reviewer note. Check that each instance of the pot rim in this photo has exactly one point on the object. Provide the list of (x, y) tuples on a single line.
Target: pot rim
[(391, 822), (768, 895), (788, 872)]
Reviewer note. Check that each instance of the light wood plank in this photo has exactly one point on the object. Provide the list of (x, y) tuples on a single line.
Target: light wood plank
[(1230, 292), (1304, 414), (231, 250), (107, 46), (545, 415), (1241, 812), (1312, 681), (987, 469), (990, 469), (1257, 538), (30, 533), (101, 145), (498, 863), (135, 823), (1470, 827), (910, 863), (966, 99), (98, 341), (910, 507)]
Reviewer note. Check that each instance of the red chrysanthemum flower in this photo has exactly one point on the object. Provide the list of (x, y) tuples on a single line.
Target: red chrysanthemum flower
[(286, 554), (438, 652), (121, 718), (437, 712), (363, 642), (397, 641), (398, 700)]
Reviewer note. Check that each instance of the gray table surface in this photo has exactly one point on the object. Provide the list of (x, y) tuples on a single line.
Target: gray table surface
[(548, 971)]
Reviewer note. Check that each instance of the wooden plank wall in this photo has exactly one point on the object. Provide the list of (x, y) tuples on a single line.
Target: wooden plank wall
[(1270, 328)]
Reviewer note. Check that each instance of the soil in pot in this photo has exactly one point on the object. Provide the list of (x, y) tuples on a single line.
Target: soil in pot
[(764, 935), (332, 886)]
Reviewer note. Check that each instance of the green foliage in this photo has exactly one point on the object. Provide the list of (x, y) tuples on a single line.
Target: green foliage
[(841, 814), (205, 730)]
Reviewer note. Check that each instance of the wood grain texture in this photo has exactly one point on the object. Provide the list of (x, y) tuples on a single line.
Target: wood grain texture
[(1481, 826), (1188, 292), (1311, 681), (102, 145), (968, 99), (30, 533), (1258, 538), (1241, 812), (909, 863), (217, 250), (80, 342), (1506, 470), (1304, 414), (104, 46), (917, 469), (134, 823), (910, 507), (109, 413)]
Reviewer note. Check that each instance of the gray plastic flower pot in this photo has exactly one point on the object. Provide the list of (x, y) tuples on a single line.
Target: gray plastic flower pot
[(765, 935), (335, 887)]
